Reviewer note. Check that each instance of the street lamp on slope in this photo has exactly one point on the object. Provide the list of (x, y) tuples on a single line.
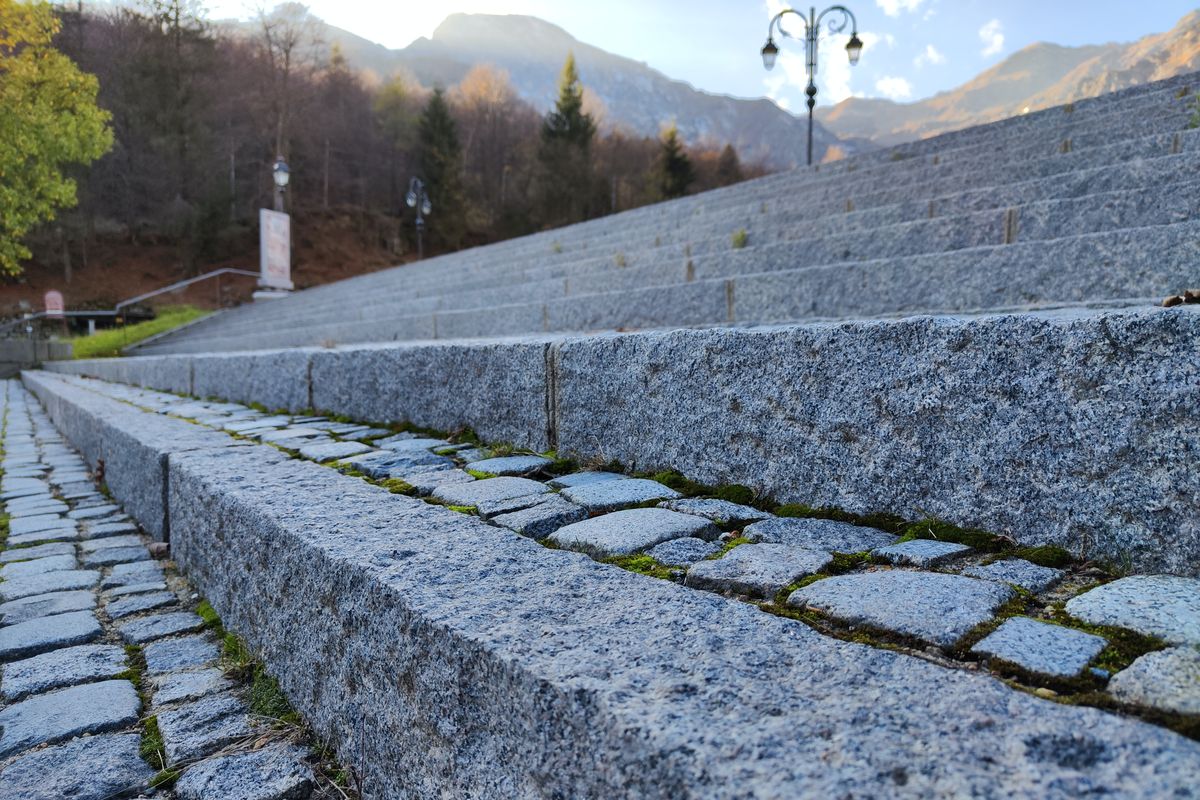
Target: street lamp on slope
[(418, 198), (280, 173), (812, 32)]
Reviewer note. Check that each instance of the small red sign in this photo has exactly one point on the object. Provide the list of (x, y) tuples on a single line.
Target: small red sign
[(54, 304)]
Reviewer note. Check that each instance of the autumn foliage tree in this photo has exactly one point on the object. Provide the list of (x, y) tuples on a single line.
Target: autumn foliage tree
[(48, 120)]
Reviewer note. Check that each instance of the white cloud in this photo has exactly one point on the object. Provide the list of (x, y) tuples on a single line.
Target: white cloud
[(992, 36), (785, 84), (893, 87), (893, 8), (930, 55)]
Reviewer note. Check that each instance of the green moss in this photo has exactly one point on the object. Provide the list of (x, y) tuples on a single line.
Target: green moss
[(945, 532), (480, 474), (151, 748), (207, 613), (735, 493), (739, 238), (463, 509), (165, 779), (4, 518), (847, 562), (883, 521), (559, 466), (258, 407), (642, 564), (397, 486), (267, 700), (1046, 555), (620, 260), (1124, 646), (729, 545), (685, 486)]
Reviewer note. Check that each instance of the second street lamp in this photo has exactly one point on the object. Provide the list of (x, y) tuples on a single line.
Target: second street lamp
[(418, 198), (812, 32), (280, 173)]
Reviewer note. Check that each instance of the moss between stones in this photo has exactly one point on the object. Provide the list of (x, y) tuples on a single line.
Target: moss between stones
[(397, 486), (464, 509), (883, 521), (4, 518), (933, 528), (1045, 556), (206, 612), (643, 565), (673, 480)]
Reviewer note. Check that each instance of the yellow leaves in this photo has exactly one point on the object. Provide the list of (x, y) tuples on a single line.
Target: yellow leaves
[(50, 120)]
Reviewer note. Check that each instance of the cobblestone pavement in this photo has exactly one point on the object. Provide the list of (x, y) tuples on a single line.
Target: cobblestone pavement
[(116, 680), (1041, 620)]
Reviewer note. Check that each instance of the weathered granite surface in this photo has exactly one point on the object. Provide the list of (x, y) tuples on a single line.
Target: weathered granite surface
[(542, 519), (88, 768), (625, 532), (510, 465), (1041, 647), (610, 495), (43, 605), (931, 606), (59, 715), (1018, 572), (202, 727), (190, 685), (818, 534), (1167, 679), (275, 772), (719, 511), (147, 629), (758, 570), (61, 581), (921, 552), (184, 652), (58, 668), (45, 633), (683, 552), (1159, 605)]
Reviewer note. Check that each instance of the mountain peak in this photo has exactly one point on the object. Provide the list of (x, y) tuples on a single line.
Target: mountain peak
[(461, 29)]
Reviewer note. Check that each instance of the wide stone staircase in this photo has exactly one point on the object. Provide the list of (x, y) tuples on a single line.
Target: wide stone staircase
[(875, 479), (1085, 204)]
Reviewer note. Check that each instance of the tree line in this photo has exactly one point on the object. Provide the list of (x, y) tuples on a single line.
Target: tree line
[(199, 112)]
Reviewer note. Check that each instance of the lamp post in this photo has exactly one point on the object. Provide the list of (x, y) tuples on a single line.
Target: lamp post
[(812, 32), (280, 172), (418, 198)]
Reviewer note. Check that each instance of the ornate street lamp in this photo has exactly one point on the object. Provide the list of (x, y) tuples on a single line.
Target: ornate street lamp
[(812, 31), (281, 175), (418, 198)]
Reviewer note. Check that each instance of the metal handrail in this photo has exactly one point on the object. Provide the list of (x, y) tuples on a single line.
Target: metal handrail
[(117, 308)]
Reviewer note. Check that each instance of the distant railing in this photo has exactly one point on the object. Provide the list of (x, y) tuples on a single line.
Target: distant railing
[(116, 310)]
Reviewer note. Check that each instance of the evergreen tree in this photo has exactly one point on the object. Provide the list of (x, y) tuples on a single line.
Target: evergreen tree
[(440, 159), (565, 167), (675, 173), (729, 167)]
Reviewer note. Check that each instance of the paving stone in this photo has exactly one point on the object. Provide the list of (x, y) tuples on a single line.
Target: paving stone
[(140, 631), (119, 609), (102, 530), (758, 570), (20, 526), (55, 716), (584, 478), (721, 512), (510, 465), (202, 727), (275, 772), (37, 566), (22, 515), (425, 482), (419, 443), (1166, 606), (178, 686), (1018, 572), (46, 633), (331, 450), (126, 540), (89, 768), (818, 534), (43, 605), (625, 532), (80, 500), (1041, 647), (931, 606), (30, 501), (683, 552), (538, 521), (294, 435), (135, 588), (37, 551), (184, 652), (492, 490), (133, 573), (921, 552), (63, 581), (381, 464), (1168, 680), (114, 555), (59, 668), (365, 434), (611, 495), (41, 537), (93, 511)]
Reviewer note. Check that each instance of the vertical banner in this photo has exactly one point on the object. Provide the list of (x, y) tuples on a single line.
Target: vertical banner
[(54, 304), (275, 246)]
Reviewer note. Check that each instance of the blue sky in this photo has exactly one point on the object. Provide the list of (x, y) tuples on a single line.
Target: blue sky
[(915, 48)]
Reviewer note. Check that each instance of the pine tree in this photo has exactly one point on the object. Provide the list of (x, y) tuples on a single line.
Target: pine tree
[(565, 168), (675, 173), (440, 159), (729, 167)]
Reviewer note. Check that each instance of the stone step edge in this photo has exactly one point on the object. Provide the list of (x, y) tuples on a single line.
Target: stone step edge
[(673, 399), (449, 657)]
